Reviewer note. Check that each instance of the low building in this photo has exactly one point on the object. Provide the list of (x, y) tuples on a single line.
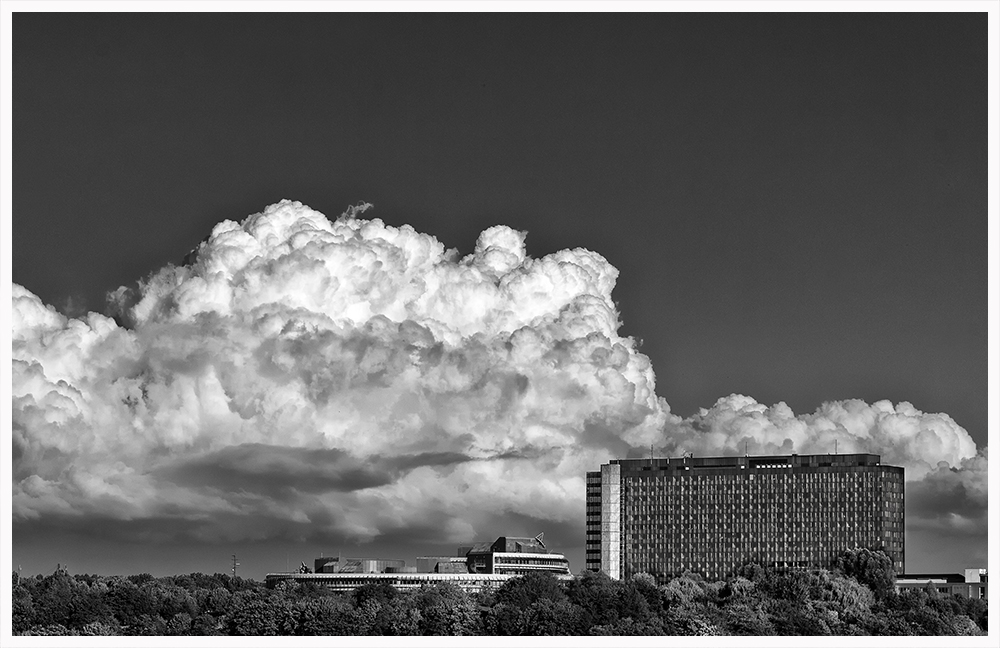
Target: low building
[(971, 584), (476, 566), (442, 564), (400, 570), (509, 555), (347, 582), (339, 565)]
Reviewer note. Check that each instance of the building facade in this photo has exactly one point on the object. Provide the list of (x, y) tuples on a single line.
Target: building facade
[(475, 566), (710, 515), (972, 584), (337, 565), (507, 555), (347, 582), (442, 565)]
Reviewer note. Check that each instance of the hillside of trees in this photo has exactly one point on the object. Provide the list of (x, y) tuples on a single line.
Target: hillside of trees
[(855, 597)]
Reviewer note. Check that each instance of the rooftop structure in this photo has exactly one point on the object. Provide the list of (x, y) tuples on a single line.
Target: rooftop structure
[(504, 558), (337, 565), (442, 565), (508, 555), (346, 582)]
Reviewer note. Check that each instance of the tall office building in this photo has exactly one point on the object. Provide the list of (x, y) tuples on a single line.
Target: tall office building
[(713, 514)]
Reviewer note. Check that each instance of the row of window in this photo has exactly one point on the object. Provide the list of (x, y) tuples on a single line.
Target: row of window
[(528, 561), (867, 474), (684, 517)]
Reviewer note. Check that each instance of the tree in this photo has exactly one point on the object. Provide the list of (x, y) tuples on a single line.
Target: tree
[(215, 602), (329, 615), (747, 619), (547, 617), (504, 619), (523, 591), (964, 626), (871, 568), (397, 618), (51, 629), (445, 610), (927, 621), (148, 625), (629, 627), (682, 591), (179, 624), (631, 604), (100, 629), (646, 586), (205, 625), (739, 588), (380, 592), (975, 609), (22, 609), (141, 579), (796, 618), (125, 601), (251, 615), (853, 600), (63, 600), (791, 585), (594, 593)]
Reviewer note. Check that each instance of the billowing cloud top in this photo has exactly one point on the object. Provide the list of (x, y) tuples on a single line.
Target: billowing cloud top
[(305, 378), (347, 376), (902, 434)]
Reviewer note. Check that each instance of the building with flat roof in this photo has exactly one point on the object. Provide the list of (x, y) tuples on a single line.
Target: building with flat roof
[(971, 584), (442, 565), (508, 555), (710, 515), (338, 564), (347, 582), (476, 566)]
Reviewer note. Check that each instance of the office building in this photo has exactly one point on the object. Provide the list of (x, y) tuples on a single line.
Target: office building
[(710, 515), (442, 565), (508, 555), (347, 582), (338, 565), (971, 584), (484, 564)]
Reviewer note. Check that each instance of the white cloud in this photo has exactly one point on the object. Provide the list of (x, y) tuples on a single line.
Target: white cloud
[(289, 331), (355, 378)]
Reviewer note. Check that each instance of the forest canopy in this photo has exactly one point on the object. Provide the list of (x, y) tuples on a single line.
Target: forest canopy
[(854, 597)]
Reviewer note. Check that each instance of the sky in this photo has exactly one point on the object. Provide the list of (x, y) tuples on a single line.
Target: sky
[(381, 285)]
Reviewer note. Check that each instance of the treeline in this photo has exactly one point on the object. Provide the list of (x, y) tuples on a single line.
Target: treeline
[(855, 597)]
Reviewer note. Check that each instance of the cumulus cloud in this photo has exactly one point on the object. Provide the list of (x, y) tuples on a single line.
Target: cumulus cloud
[(902, 434), (952, 496), (348, 375), (946, 475), (351, 380)]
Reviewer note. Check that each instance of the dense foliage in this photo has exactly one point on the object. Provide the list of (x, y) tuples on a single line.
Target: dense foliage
[(855, 598)]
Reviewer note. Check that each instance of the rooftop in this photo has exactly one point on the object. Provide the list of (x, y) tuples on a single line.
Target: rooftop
[(749, 461)]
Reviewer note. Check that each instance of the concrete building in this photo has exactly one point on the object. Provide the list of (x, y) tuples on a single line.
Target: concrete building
[(347, 582), (476, 566), (337, 565), (442, 565), (971, 584), (710, 515), (508, 555)]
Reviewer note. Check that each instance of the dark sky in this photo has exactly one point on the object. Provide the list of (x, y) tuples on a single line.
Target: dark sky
[(797, 204)]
